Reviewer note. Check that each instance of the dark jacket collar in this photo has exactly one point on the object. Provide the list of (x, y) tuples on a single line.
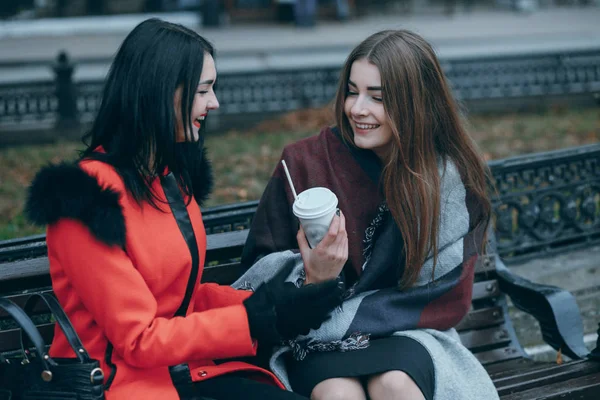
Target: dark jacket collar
[(66, 191)]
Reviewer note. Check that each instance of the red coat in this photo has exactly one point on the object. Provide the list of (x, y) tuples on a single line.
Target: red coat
[(128, 294)]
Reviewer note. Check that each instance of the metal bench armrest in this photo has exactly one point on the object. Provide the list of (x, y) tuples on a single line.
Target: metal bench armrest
[(554, 308)]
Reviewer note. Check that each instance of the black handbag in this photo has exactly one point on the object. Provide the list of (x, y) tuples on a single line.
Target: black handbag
[(36, 375)]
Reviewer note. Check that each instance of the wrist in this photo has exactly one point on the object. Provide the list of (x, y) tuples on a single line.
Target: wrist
[(310, 277), (316, 277)]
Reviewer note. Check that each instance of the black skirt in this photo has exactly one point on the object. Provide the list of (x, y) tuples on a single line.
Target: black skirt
[(395, 353)]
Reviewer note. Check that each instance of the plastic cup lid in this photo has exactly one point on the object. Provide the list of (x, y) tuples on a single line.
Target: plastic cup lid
[(314, 202)]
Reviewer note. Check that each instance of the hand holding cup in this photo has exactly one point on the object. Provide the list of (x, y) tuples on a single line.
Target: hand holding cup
[(322, 236), (326, 260)]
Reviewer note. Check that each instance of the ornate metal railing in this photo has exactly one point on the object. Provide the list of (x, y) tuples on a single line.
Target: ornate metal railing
[(473, 80), (28, 102), (539, 75), (547, 202), (543, 203), (88, 99)]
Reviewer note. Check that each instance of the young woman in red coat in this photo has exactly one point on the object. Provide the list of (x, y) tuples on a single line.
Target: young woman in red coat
[(126, 242)]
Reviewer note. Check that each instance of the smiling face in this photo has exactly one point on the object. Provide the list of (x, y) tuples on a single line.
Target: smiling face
[(205, 100), (364, 109)]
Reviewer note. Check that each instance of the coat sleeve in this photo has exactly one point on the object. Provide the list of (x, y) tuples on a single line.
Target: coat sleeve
[(118, 298), (212, 295)]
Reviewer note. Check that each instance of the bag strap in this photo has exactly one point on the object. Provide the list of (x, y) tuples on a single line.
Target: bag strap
[(62, 320), (179, 209), (31, 331)]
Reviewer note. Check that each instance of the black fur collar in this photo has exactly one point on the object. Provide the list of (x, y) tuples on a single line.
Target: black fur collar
[(66, 191)]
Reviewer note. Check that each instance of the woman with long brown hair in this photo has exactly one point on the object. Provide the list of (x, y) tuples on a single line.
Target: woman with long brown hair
[(412, 188)]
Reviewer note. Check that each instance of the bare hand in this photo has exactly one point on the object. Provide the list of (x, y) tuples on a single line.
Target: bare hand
[(325, 261)]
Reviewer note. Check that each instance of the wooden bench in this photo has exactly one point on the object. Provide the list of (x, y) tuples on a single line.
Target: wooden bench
[(487, 330), (529, 190)]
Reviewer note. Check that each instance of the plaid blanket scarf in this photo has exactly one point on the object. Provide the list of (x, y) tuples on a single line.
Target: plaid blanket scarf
[(374, 307)]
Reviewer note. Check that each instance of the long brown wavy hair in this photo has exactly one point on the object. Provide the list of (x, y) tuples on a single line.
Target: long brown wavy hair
[(426, 126)]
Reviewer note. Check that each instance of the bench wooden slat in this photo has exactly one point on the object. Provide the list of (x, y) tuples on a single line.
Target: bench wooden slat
[(485, 290), (483, 318), (478, 340), (585, 387), (27, 248), (472, 339), (11, 339), (228, 273), (550, 373), (25, 268), (21, 241), (509, 368), (21, 299), (224, 274), (219, 246), (39, 266), (498, 355)]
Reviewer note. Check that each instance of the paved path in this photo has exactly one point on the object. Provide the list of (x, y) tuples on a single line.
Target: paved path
[(246, 47)]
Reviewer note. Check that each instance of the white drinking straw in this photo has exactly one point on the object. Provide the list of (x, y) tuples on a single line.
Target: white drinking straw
[(287, 173)]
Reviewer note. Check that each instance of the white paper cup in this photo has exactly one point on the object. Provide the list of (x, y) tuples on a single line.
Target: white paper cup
[(315, 208)]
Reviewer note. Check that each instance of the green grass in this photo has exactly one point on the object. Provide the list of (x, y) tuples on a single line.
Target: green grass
[(243, 161), (503, 136), (18, 166)]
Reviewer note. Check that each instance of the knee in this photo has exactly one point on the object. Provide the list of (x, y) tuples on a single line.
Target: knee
[(338, 389), (394, 384)]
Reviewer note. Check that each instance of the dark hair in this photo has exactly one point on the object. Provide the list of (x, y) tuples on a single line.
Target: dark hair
[(136, 124), (426, 125)]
